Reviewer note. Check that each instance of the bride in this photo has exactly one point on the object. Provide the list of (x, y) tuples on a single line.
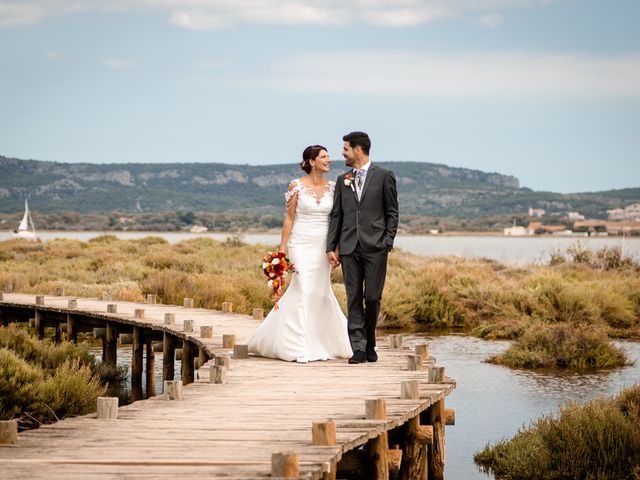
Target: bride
[(308, 323)]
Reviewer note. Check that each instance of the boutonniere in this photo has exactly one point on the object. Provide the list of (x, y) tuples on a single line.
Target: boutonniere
[(348, 179)]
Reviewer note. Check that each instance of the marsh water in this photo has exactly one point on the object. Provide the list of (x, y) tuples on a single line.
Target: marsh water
[(491, 401), (518, 250)]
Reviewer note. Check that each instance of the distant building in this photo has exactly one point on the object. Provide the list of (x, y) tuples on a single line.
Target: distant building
[(537, 228), (516, 232), (615, 214), (574, 216), (198, 229), (632, 212), (536, 212)]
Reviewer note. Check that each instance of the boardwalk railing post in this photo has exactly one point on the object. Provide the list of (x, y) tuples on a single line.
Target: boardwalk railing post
[(258, 314), (217, 374), (188, 303), (106, 297), (206, 331), (73, 303), (228, 341), (187, 326), (376, 409), (395, 341), (169, 318), (112, 308), (223, 360), (138, 313), (173, 389), (240, 351), (285, 465), (8, 432), (59, 291), (436, 374), (107, 408), (323, 433), (227, 307), (414, 362), (151, 299), (423, 350), (168, 356), (40, 300)]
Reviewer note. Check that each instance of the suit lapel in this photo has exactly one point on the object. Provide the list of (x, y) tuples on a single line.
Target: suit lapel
[(367, 180), (352, 187)]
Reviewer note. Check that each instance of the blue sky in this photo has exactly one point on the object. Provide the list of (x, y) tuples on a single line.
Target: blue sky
[(546, 90)]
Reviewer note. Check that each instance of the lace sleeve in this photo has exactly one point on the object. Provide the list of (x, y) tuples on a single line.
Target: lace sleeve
[(289, 194)]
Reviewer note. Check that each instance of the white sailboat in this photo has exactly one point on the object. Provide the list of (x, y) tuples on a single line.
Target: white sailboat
[(26, 229)]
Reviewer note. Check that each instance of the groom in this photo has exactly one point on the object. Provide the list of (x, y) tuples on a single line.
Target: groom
[(362, 227)]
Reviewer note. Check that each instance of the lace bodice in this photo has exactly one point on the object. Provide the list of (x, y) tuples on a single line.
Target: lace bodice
[(312, 210)]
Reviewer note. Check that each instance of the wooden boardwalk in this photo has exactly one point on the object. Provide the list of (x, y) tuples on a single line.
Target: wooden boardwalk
[(228, 430)]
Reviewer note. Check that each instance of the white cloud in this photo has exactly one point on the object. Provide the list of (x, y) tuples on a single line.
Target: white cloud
[(215, 14), (401, 73), (119, 64)]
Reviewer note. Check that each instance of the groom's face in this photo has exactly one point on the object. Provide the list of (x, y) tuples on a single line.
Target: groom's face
[(349, 154)]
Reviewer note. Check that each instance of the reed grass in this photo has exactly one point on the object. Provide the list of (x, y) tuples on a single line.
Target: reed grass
[(599, 440)]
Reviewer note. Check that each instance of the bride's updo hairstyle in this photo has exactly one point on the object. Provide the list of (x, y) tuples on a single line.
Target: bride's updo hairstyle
[(310, 153)]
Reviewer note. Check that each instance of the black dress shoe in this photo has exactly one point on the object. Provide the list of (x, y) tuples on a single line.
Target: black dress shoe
[(358, 357), (371, 356)]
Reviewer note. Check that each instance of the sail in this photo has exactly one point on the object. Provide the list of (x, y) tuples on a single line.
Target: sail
[(24, 224)]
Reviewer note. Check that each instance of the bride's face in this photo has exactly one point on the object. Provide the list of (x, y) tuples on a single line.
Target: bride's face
[(322, 162)]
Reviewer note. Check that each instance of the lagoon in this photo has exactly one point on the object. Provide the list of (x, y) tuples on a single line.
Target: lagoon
[(511, 250)]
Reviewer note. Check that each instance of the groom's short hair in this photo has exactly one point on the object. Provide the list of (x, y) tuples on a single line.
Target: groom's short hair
[(358, 139)]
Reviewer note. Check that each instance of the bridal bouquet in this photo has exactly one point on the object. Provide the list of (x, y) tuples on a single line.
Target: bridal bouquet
[(276, 266)]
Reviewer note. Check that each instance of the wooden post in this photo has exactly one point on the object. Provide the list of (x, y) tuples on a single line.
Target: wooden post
[(59, 291), (57, 335), (323, 433), (377, 447), (228, 341), (40, 300), (223, 360), (169, 318), (151, 299), (136, 355), (111, 343), (415, 441), (106, 297), (187, 326), (73, 303), (188, 354), (107, 408), (1, 296), (138, 313), (150, 367), (202, 357), (38, 323), (173, 389), (72, 331), (227, 307), (395, 341), (436, 455), (414, 362), (206, 331), (394, 457), (188, 303), (285, 465), (423, 350), (436, 374), (125, 339), (112, 308), (217, 374), (99, 332), (258, 314), (450, 416), (240, 351), (8, 432), (168, 357), (410, 390)]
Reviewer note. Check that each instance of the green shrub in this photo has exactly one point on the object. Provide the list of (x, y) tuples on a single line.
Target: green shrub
[(598, 440), (20, 384)]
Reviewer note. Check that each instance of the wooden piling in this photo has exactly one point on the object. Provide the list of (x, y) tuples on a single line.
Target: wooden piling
[(240, 351), (72, 331), (99, 332), (106, 297), (169, 318), (422, 349), (395, 341), (168, 357), (40, 300), (414, 362), (188, 355), (228, 341), (223, 360), (188, 303), (227, 307), (137, 355), (187, 326), (138, 313), (173, 389), (59, 291), (206, 331), (73, 303), (112, 308), (323, 433), (436, 374), (450, 416), (38, 323), (111, 343), (125, 339), (410, 390), (107, 408), (151, 299), (285, 465), (150, 364), (8, 431), (217, 374), (258, 314), (436, 455), (377, 447)]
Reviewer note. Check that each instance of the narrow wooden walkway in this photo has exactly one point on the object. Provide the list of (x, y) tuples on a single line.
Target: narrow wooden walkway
[(227, 430)]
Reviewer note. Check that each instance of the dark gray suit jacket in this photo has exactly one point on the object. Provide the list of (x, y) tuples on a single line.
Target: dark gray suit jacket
[(372, 221)]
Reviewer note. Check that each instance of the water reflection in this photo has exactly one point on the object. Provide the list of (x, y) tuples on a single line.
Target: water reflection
[(492, 402)]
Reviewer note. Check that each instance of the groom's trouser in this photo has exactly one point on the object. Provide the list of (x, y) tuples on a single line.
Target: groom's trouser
[(364, 274)]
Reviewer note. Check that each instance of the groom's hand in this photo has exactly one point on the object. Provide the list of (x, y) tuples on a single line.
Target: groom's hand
[(333, 259)]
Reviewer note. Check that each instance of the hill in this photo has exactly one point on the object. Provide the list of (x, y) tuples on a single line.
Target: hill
[(425, 189)]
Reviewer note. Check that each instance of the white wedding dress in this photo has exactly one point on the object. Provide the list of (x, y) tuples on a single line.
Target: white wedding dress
[(308, 324)]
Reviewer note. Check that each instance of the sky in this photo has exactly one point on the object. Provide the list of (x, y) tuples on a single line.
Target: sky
[(545, 90)]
